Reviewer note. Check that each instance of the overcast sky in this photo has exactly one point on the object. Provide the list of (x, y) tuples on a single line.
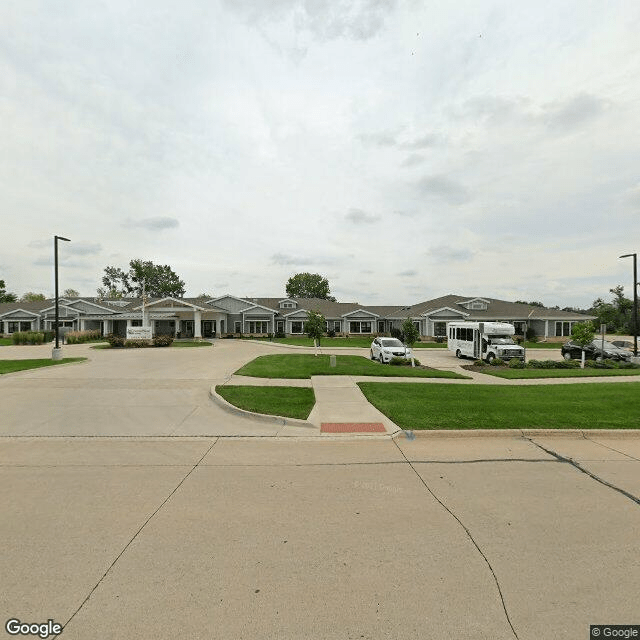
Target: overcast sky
[(403, 149)]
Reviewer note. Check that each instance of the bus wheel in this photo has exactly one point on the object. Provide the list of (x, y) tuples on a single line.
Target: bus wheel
[(567, 355), (371, 356), (458, 354), (490, 358)]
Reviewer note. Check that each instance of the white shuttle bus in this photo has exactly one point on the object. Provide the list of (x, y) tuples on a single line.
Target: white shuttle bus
[(483, 340)]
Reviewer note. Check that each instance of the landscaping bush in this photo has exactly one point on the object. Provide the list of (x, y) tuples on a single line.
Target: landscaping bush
[(516, 363), (28, 337), (396, 333), (480, 363), (115, 341), (161, 341), (136, 344), (531, 335), (403, 362), (330, 334), (553, 364), (498, 362), (280, 334), (439, 339), (49, 335), (80, 337)]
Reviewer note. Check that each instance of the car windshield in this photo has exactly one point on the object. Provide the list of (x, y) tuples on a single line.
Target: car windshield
[(500, 340), (391, 342), (607, 344)]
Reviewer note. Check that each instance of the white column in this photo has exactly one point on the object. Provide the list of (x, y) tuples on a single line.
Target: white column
[(546, 328), (197, 329), (177, 328), (5, 328)]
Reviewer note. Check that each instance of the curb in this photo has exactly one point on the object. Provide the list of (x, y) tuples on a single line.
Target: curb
[(261, 417), (522, 433)]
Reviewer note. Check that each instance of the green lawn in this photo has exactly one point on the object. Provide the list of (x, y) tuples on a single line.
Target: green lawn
[(512, 374), (9, 366), (356, 343), (440, 406), (543, 345), (191, 344), (292, 402), (307, 365), (5, 342)]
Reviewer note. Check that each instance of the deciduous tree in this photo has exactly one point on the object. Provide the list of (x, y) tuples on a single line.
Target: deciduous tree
[(582, 333), (6, 296), (159, 281), (410, 335), (30, 296), (308, 285), (315, 327)]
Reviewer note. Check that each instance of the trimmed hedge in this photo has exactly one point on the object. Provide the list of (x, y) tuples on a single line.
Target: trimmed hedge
[(80, 337), (28, 337)]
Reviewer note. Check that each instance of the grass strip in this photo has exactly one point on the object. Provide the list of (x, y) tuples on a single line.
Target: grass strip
[(440, 406), (515, 374), (356, 343), (300, 366), (191, 344), (5, 342), (9, 366), (291, 402)]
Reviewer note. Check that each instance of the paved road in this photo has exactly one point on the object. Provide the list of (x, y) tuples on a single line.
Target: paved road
[(464, 538)]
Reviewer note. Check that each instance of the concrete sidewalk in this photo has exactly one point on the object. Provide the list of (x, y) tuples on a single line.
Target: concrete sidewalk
[(206, 538)]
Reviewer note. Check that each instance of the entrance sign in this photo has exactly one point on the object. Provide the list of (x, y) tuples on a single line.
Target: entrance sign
[(139, 333)]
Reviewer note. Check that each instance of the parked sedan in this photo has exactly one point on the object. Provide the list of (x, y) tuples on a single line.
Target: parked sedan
[(384, 349), (594, 351)]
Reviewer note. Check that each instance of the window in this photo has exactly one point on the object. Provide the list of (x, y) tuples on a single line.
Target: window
[(288, 305), (416, 324), (136, 323), (360, 327), (256, 326), (280, 326), (237, 327), (440, 329), (13, 327), (297, 326), (337, 325), (564, 328), (380, 326)]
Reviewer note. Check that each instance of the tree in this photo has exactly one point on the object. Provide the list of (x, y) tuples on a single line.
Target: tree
[(6, 296), (315, 327), (617, 314), (308, 285), (71, 293), (30, 296), (410, 334), (531, 304), (583, 333), (159, 281)]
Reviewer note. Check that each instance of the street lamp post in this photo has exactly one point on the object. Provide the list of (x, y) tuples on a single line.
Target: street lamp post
[(57, 353), (635, 300)]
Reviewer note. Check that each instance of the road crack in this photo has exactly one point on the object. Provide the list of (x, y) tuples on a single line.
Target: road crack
[(466, 530)]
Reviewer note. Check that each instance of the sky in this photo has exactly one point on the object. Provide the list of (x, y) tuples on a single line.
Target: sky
[(403, 149)]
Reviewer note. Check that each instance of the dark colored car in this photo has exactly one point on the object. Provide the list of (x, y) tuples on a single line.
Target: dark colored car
[(594, 351)]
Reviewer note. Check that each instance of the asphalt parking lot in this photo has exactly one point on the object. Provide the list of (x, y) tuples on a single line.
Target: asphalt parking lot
[(132, 535)]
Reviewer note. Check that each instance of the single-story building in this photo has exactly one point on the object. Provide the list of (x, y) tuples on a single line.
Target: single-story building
[(230, 315)]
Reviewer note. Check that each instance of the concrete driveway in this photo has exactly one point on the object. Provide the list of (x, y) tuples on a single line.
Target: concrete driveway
[(150, 392), (437, 538)]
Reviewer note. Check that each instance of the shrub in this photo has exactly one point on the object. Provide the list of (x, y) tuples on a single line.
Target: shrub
[(162, 341), (516, 363), (531, 335), (331, 333), (49, 335), (498, 362), (80, 337), (279, 334), (440, 339), (553, 364), (396, 333), (136, 344), (480, 363), (403, 362), (114, 340), (28, 337)]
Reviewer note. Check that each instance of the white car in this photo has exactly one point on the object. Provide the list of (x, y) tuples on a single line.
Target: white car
[(383, 349)]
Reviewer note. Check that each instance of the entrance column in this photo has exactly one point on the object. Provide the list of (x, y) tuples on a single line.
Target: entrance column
[(177, 328), (197, 328)]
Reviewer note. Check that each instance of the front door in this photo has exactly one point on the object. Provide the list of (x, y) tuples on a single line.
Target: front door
[(208, 328), (187, 328)]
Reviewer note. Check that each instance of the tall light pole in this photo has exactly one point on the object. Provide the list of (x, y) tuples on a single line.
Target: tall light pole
[(635, 300), (57, 354)]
